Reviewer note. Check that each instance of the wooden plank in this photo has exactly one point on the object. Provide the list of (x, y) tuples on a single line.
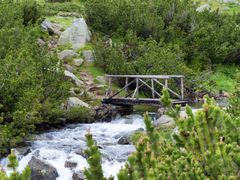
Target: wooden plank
[(126, 83), (153, 90), (136, 89), (146, 76)]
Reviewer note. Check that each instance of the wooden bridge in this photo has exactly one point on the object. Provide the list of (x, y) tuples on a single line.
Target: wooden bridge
[(135, 84)]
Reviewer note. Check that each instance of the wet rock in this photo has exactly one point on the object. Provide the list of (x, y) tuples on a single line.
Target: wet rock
[(22, 151), (76, 35), (74, 78), (164, 121), (101, 79), (78, 62), (51, 28), (70, 164), (69, 68), (139, 130), (41, 170), (88, 55), (106, 112), (124, 140), (78, 175), (81, 153), (67, 54), (75, 102)]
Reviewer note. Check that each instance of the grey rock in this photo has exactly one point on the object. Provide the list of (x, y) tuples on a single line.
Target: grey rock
[(203, 8), (51, 28), (41, 170), (78, 175), (164, 121), (76, 35), (101, 79), (22, 151), (74, 78), (41, 42), (76, 92), (88, 55), (67, 54), (70, 164), (78, 62), (124, 140), (81, 153), (69, 68), (75, 102)]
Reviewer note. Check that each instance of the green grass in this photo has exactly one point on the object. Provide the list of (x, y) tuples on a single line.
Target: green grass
[(223, 78), (94, 70), (64, 21), (217, 4)]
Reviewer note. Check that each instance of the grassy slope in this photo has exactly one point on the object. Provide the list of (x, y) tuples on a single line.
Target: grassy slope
[(218, 4)]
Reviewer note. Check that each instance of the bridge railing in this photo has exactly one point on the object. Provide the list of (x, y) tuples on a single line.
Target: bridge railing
[(149, 81)]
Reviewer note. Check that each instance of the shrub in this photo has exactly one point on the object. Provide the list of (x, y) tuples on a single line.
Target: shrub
[(80, 115)]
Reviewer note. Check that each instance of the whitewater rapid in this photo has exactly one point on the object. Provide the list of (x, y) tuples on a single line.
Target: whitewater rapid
[(60, 145)]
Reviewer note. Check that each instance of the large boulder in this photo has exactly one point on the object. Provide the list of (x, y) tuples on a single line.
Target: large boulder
[(75, 102), (51, 28), (67, 54), (76, 35), (164, 121), (74, 78), (88, 55), (41, 170)]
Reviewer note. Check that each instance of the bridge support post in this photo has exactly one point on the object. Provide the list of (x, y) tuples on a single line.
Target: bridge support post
[(153, 93), (126, 85), (137, 87), (182, 88)]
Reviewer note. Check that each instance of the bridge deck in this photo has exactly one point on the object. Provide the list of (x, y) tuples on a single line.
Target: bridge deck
[(135, 101)]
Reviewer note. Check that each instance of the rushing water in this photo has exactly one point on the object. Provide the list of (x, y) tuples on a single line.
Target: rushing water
[(58, 146)]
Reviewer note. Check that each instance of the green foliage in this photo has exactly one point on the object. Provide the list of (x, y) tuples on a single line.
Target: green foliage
[(31, 13), (30, 76), (94, 160), (206, 146), (13, 163)]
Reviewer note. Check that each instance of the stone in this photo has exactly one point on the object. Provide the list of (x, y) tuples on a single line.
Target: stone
[(78, 175), (88, 55), (69, 68), (76, 92), (164, 121), (81, 153), (22, 151), (41, 170), (41, 42), (78, 62), (124, 140), (203, 8), (101, 79), (67, 54), (77, 35), (74, 78), (51, 28), (75, 102), (70, 164)]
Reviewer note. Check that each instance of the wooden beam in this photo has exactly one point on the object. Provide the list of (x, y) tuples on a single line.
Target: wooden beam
[(136, 89), (182, 88), (122, 89), (176, 94), (153, 90), (126, 83), (146, 76)]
